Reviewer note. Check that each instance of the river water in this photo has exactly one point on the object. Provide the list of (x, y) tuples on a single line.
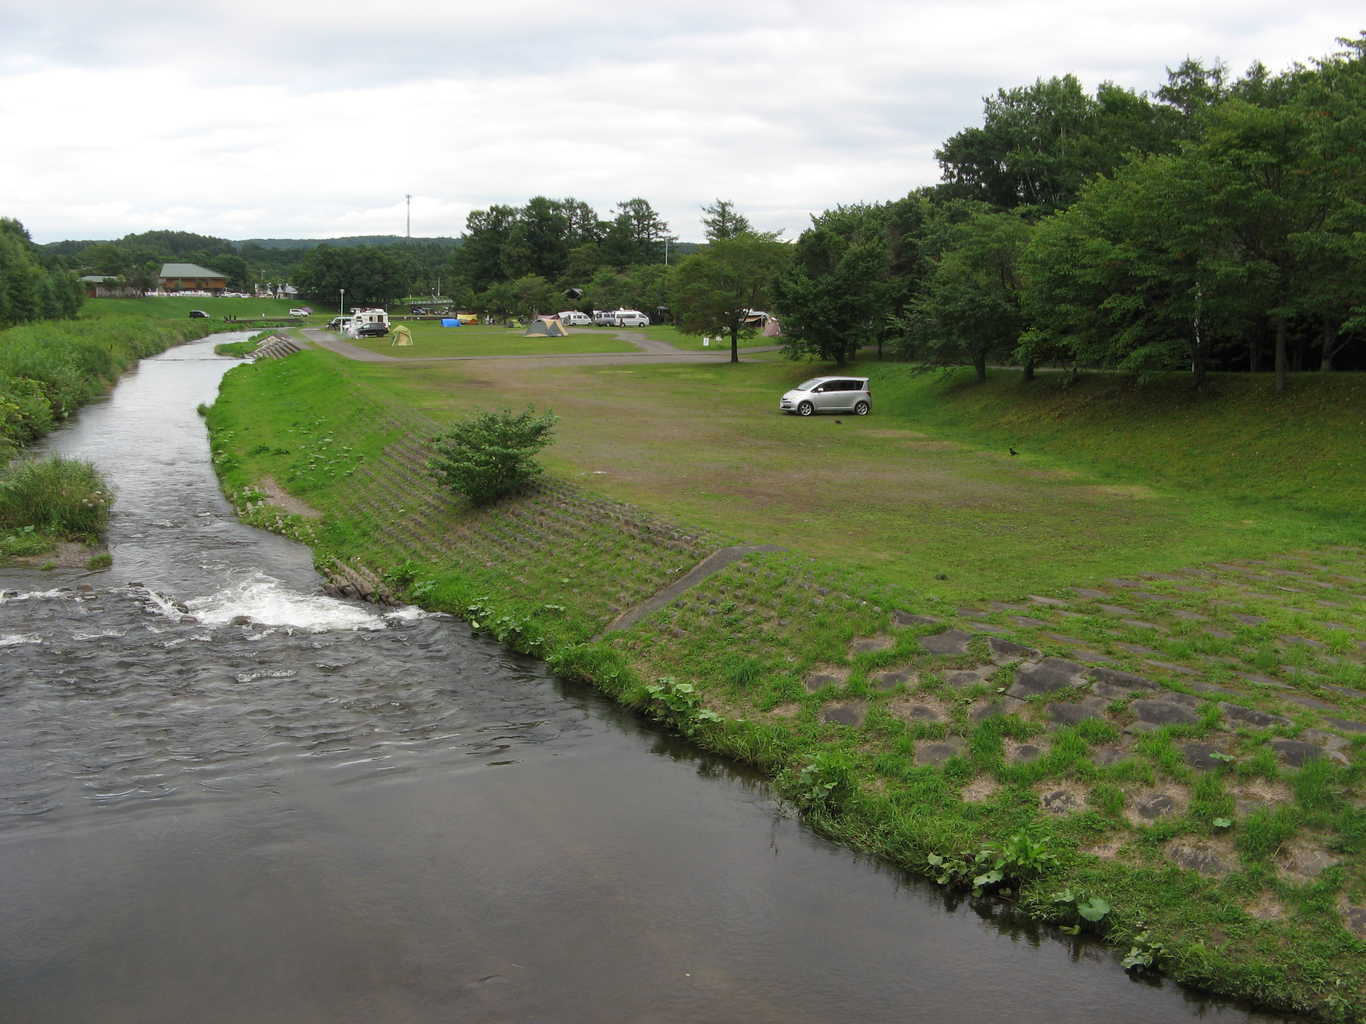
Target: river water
[(330, 814)]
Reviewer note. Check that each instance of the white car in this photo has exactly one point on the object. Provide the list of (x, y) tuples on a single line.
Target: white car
[(573, 318), (300, 312), (829, 394)]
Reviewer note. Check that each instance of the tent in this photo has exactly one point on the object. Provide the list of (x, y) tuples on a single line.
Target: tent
[(401, 335), (545, 327), (451, 321)]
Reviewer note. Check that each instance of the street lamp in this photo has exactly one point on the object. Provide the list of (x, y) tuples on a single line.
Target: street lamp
[(342, 310)]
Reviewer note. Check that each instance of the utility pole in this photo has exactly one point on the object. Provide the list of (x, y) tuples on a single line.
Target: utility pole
[(409, 197)]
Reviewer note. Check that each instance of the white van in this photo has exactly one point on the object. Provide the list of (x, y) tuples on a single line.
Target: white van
[(368, 323), (631, 318), (604, 318), (573, 318)]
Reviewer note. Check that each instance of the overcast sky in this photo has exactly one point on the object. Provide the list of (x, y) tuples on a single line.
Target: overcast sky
[(296, 118)]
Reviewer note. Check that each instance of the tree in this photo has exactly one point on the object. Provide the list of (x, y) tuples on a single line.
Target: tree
[(1142, 274), (722, 220), (582, 226), (28, 290), (1193, 88), (492, 454), (969, 309), (487, 232), (1040, 143), (532, 294), (371, 275), (540, 238), (645, 229), (713, 290), (853, 268)]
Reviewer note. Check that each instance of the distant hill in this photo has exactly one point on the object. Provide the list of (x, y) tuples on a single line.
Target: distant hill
[(179, 244), (348, 240)]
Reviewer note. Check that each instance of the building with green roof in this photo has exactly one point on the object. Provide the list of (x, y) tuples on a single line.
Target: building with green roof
[(190, 277)]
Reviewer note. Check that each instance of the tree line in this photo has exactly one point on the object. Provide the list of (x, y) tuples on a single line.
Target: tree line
[(31, 288), (1217, 224), (1220, 224)]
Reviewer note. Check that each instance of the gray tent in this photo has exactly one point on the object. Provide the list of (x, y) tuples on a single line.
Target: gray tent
[(545, 327)]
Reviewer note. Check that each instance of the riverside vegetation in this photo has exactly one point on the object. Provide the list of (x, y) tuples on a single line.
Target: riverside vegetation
[(48, 370), (1118, 680)]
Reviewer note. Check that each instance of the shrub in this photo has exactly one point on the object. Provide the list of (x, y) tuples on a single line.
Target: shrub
[(490, 455), (65, 497), (825, 784)]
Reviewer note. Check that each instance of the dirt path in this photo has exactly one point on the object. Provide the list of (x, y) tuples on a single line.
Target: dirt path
[(651, 351)]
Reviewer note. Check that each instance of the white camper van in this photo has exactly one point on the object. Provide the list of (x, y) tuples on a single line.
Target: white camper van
[(368, 323)]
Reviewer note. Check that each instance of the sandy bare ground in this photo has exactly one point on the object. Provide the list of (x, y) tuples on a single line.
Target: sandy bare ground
[(651, 351)]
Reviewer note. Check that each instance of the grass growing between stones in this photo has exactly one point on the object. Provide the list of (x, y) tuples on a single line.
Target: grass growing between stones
[(1171, 704)]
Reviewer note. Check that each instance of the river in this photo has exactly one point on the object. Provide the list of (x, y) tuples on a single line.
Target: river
[(325, 813)]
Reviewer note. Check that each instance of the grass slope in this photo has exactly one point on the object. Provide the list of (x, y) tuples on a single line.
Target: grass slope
[(1178, 791)]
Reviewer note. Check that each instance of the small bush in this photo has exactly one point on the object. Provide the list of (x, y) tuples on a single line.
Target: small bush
[(825, 784), (65, 497), (490, 455)]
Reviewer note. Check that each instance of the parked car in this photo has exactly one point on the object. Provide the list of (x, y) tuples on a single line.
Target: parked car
[(339, 323), (829, 394), (368, 323), (573, 318), (631, 318), (604, 318), (198, 314), (299, 311)]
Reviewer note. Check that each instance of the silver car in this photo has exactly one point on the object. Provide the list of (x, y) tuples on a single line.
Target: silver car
[(829, 394)]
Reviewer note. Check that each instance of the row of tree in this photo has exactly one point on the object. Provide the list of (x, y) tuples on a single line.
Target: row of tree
[(30, 289), (1218, 226), (516, 261)]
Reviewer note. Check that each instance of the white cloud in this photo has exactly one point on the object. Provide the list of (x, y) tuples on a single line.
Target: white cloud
[(303, 119)]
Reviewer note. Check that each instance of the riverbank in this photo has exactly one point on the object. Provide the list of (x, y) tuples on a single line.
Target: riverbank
[(1183, 747), (48, 371)]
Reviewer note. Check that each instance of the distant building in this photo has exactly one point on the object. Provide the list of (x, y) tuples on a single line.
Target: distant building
[(107, 286), (190, 277)]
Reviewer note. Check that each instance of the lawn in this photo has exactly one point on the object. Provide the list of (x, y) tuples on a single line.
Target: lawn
[(431, 340), (693, 342), (931, 508)]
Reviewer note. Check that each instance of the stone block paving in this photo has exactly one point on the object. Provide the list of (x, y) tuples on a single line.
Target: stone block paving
[(1247, 656)]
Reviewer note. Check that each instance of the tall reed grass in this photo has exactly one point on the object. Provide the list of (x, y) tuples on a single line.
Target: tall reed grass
[(56, 496)]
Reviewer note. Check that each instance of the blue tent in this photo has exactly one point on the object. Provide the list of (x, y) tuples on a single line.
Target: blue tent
[(448, 321)]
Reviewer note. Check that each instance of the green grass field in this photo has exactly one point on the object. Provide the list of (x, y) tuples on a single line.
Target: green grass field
[(912, 493), (1205, 550), (693, 342), (430, 340)]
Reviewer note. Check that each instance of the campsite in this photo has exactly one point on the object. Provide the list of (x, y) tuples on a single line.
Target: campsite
[(432, 340)]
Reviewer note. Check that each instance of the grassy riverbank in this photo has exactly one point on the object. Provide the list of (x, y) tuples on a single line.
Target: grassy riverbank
[(48, 370), (1143, 664)]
